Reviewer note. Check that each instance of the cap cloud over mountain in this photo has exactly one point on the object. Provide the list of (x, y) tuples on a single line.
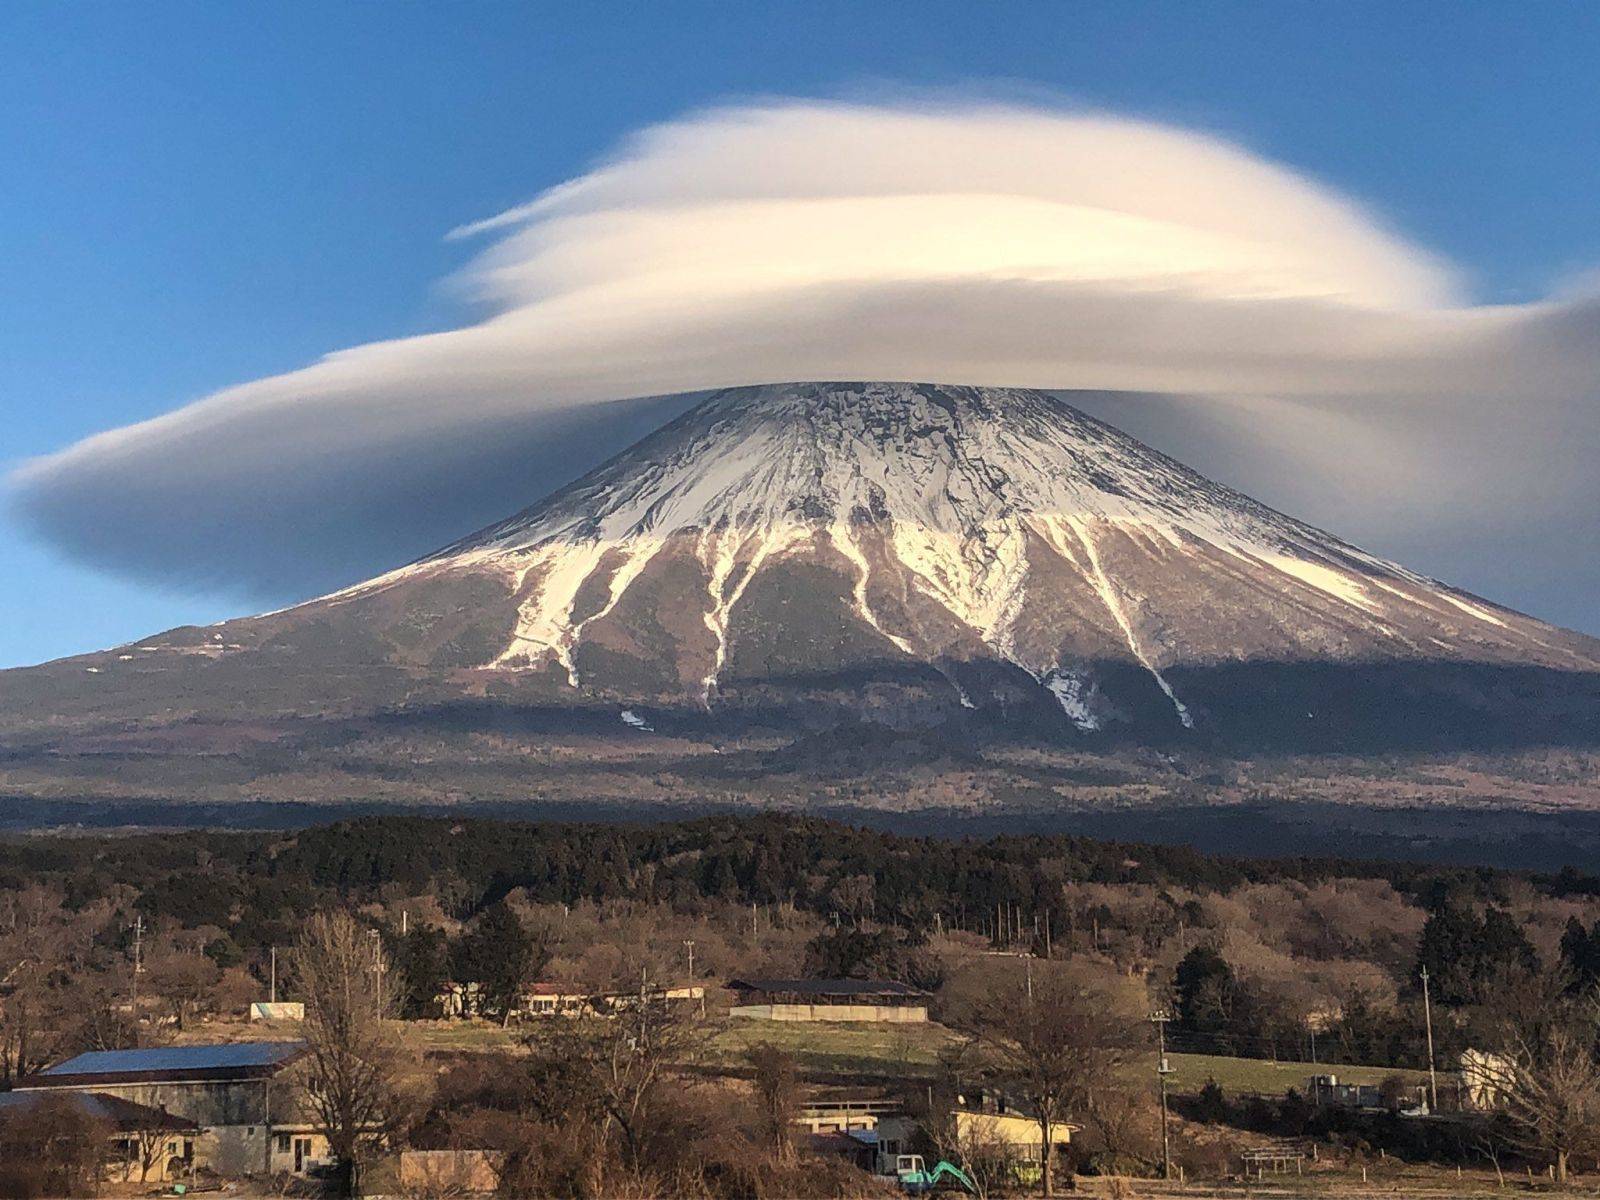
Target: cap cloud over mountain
[(1339, 365)]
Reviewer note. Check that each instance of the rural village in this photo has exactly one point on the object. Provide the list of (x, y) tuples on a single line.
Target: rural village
[(1107, 1037)]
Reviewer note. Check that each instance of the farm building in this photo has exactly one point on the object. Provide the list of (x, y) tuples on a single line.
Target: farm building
[(1328, 1090), (545, 1000), (1014, 1133), (238, 1095), (143, 1145), (873, 1130), (463, 1001), (827, 1000), (1486, 1079)]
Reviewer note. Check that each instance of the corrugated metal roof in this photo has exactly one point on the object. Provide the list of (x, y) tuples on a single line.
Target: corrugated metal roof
[(167, 1059), (828, 987), (121, 1114)]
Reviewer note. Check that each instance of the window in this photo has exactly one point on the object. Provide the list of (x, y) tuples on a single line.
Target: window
[(283, 1143)]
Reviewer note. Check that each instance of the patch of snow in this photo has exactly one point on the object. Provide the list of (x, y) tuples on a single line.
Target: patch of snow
[(1113, 602), (721, 552), (1073, 692), (545, 621), (1324, 578), (844, 540), (1472, 610), (633, 719)]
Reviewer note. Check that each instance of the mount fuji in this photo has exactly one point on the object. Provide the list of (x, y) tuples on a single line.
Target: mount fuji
[(981, 564), (775, 531)]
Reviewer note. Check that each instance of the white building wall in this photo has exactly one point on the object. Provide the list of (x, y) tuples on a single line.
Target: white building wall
[(888, 1013)]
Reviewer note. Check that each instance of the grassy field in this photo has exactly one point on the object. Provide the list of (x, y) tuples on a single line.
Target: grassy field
[(903, 1051), (1258, 1075), (913, 1050)]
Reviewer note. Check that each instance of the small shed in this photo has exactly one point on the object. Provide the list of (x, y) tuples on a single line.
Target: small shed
[(828, 1000)]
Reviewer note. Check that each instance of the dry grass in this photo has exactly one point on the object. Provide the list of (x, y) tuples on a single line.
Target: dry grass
[(1236, 1075), (823, 1048)]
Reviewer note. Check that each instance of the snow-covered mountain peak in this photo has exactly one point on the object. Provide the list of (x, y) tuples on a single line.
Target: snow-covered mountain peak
[(947, 458), (848, 523)]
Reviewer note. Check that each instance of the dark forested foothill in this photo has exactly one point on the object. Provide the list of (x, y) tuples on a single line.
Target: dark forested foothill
[(245, 881)]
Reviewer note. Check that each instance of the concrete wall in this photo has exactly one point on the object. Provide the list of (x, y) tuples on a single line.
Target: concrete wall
[(233, 1149), (450, 1172), (281, 1010), (1008, 1129), (890, 1013)]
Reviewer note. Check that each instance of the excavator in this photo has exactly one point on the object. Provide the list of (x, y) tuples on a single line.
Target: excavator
[(914, 1177)]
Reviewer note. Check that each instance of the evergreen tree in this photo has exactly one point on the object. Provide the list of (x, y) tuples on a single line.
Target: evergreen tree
[(1504, 947), (422, 960), (1580, 956), (1465, 955), (1206, 991), (502, 958), (1448, 951)]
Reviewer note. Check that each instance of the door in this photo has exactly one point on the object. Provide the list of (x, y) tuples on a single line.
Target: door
[(302, 1151)]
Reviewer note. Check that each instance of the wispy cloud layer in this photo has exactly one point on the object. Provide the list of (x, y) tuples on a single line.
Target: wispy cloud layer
[(802, 240)]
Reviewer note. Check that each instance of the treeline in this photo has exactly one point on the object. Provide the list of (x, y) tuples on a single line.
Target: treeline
[(1299, 958), (1000, 885)]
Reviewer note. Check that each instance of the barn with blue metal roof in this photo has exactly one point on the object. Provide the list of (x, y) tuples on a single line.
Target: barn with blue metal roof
[(244, 1097)]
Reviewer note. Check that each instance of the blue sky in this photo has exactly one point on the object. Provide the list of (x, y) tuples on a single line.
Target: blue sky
[(193, 195)]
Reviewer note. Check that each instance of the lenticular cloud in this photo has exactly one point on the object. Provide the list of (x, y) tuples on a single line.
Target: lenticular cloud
[(780, 241)]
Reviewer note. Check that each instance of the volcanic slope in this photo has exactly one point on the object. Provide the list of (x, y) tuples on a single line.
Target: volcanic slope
[(911, 554)]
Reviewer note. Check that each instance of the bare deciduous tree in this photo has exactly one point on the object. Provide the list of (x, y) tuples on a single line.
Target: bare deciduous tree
[(620, 1063), (1549, 1079), (183, 980), (1052, 1040), (777, 1085), (53, 1148), (351, 1079)]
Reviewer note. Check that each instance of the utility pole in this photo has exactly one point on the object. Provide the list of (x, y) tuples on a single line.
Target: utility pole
[(1427, 1019), (689, 944), (272, 987), (377, 966), (138, 961), (1159, 1020)]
